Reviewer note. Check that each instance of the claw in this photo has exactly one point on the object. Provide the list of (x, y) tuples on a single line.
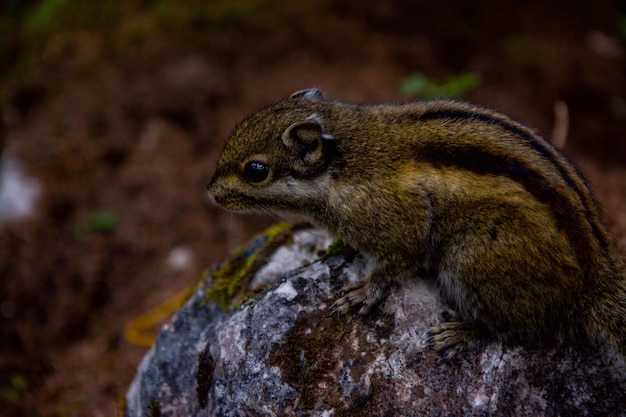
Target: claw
[(451, 336), (362, 294)]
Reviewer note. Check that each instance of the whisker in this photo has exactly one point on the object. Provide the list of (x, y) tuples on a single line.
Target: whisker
[(277, 217), (270, 214)]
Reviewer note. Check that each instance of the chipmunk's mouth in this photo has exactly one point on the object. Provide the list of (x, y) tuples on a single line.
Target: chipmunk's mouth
[(226, 199), (228, 204), (216, 194)]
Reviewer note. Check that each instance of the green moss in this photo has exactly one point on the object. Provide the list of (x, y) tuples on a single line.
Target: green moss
[(231, 279), (337, 247), (154, 410)]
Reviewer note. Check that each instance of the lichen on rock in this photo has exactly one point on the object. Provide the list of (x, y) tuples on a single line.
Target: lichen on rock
[(243, 274), (283, 352)]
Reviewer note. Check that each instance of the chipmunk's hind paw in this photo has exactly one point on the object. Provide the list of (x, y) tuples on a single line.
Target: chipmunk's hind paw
[(452, 335)]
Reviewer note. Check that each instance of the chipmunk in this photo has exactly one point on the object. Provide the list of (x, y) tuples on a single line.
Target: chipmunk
[(499, 217)]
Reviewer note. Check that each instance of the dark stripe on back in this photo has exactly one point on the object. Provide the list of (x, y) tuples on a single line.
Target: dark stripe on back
[(482, 162), (541, 146)]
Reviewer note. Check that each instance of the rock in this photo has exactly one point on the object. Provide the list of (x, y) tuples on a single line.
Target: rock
[(284, 353)]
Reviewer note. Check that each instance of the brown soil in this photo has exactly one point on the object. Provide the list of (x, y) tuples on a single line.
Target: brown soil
[(128, 115)]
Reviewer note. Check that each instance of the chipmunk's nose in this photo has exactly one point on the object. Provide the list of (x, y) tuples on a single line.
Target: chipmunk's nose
[(215, 190), (211, 190)]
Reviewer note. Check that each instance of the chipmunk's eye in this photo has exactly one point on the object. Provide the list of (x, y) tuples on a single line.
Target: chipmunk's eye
[(256, 171)]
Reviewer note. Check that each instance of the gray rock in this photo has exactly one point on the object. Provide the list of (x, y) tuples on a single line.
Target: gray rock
[(284, 353)]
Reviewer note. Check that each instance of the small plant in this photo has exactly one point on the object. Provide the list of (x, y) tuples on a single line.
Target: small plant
[(42, 15), (98, 222), (154, 410), (15, 391), (417, 84), (102, 221)]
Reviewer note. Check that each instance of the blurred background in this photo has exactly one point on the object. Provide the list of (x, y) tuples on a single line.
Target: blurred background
[(113, 113)]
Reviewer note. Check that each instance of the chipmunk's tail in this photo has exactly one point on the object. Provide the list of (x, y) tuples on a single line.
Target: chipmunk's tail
[(605, 312)]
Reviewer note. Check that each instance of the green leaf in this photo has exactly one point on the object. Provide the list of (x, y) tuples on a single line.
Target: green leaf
[(103, 221), (417, 84), (42, 15)]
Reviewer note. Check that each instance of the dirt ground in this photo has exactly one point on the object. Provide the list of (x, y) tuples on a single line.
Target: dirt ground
[(120, 113)]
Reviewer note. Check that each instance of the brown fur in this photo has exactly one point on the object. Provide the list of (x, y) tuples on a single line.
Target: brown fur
[(497, 215)]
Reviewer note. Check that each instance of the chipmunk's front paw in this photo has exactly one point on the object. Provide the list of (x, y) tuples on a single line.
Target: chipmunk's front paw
[(362, 295)]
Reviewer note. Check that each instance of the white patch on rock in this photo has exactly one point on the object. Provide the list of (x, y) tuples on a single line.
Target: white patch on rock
[(301, 251), (286, 290), (232, 350), (481, 400), (361, 268)]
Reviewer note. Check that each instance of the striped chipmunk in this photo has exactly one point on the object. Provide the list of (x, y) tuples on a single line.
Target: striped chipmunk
[(485, 206)]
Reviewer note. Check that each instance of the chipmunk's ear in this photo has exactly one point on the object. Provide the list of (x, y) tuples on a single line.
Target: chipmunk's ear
[(312, 93), (307, 139)]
